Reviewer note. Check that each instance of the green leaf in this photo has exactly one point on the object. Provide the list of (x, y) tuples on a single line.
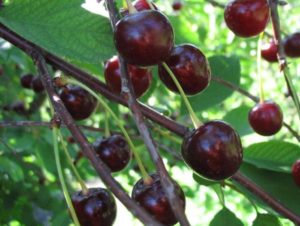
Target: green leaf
[(238, 119), (11, 168), (266, 220), (62, 27), (277, 184), (225, 217), (273, 155), (226, 68)]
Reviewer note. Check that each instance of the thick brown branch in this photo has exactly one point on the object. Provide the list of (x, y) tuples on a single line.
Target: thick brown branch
[(87, 149), (99, 87), (128, 93)]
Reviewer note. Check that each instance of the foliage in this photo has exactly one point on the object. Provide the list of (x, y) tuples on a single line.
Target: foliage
[(30, 191)]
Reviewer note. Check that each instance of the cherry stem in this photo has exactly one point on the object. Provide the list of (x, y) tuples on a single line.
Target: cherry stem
[(106, 126), (130, 7), (260, 77), (233, 187), (150, 4), (61, 177), (197, 123), (167, 134), (144, 173), (70, 161)]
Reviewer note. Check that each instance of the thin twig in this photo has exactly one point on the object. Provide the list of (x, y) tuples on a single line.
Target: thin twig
[(87, 148), (99, 87), (127, 91)]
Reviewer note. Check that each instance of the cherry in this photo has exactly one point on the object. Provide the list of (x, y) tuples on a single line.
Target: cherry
[(269, 52), (19, 108), (291, 45), (37, 85), (246, 18), (190, 67), (154, 200), (213, 150), (144, 38), (266, 118), (96, 208), (177, 5), (78, 101), (113, 151), (296, 172), (26, 80), (140, 77), (141, 5)]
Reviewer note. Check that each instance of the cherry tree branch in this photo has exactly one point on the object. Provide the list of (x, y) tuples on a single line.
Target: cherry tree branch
[(283, 66), (99, 87), (253, 98), (86, 147), (127, 91)]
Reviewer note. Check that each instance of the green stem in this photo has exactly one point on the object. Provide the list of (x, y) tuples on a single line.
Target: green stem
[(233, 187), (106, 128), (292, 89), (61, 178), (70, 161), (150, 4), (260, 77), (193, 116), (130, 7), (145, 175), (167, 134)]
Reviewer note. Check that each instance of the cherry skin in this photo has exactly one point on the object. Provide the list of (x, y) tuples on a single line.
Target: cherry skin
[(37, 85), (213, 150), (140, 77), (113, 151), (141, 5), (177, 5), (296, 172), (154, 200), (96, 208), (291, 45), (144, 38), (78, 102), (266, 118), (246, 18), (19, 108), (190, 67), (26, 81), (269, 52)]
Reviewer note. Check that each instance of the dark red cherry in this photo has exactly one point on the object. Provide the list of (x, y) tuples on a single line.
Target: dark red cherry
[(140, 77), (144, 38), (141, 5), (113, 151), (96, 208), (296, 172), (246, 18), (213, 150), (266, 118), (154, 200), (177, 5), (78, 101), (26, 80), (37, 85), (292, 45), (18, 107), (269, 52), (190, 67)]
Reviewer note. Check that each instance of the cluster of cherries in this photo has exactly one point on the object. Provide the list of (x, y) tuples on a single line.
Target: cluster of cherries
[(213, 150), (266, 117), (27, 81), (145, 38)]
